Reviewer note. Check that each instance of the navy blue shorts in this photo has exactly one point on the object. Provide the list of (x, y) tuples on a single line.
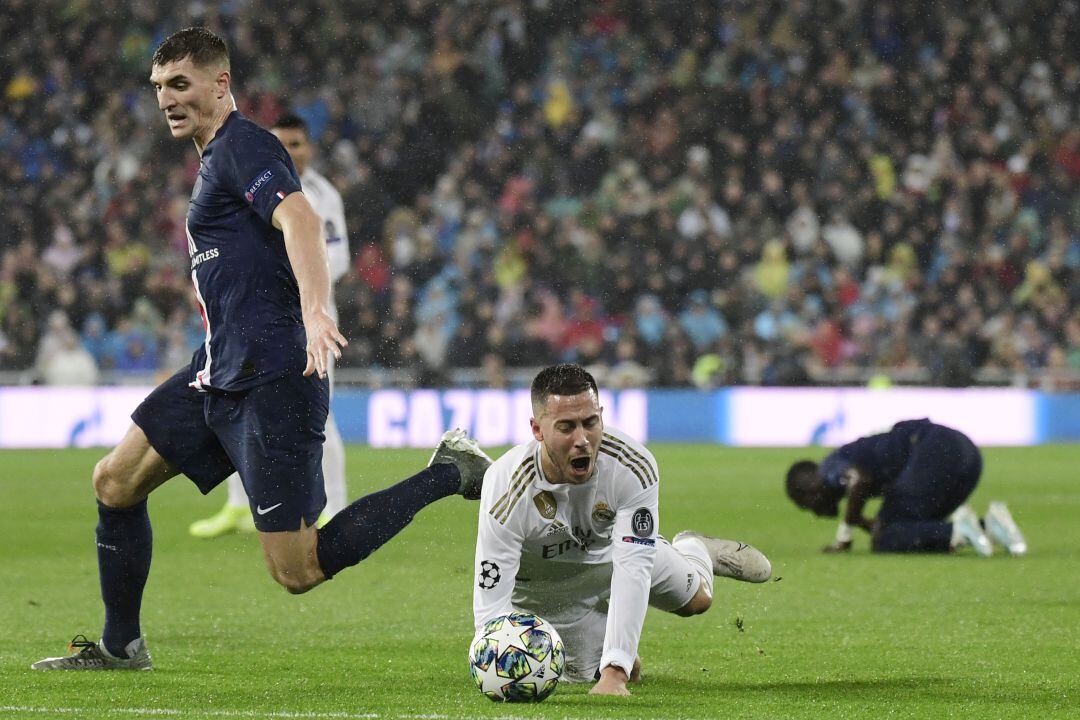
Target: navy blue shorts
[(942, 471), (271, 434)]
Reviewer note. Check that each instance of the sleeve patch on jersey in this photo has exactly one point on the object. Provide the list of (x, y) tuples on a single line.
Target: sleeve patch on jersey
[(643, 523), (638, 541), (489, 575), (257, 184)]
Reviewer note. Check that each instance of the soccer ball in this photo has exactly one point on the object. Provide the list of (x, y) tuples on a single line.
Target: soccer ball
[(516, 657)]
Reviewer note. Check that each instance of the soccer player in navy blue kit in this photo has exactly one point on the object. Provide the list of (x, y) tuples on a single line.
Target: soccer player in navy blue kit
[(255, 398), (924, 472)]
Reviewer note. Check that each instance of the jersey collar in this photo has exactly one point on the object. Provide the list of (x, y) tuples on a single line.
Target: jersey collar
[(221, 130)]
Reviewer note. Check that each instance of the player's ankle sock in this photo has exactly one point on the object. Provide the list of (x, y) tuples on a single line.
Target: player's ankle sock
[(124, 541), (362, 528), (698, 556)]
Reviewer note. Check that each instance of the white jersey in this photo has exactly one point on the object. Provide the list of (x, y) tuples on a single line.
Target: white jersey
[(327, 203), (560, 549)]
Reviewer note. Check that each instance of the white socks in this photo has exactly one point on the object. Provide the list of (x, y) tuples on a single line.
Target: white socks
[(333, 468)]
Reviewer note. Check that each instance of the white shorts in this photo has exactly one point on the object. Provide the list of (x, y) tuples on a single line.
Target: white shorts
[(582, 620)]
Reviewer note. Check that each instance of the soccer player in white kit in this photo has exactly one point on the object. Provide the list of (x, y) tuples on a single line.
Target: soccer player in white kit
[(568, 530), (235, 516)]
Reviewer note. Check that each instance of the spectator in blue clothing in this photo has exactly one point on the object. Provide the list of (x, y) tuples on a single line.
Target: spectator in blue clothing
[(651, 320), (702, 322)]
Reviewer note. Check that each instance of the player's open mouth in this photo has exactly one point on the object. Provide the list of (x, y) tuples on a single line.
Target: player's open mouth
[(579, 464), (175, 120)]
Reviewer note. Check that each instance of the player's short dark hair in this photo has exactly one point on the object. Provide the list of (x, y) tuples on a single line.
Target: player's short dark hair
[(807, 490), (291, 121), (562, 379), (200, 44), (802, 481)]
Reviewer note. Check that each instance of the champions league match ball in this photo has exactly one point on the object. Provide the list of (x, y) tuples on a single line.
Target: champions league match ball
[(516, 657)]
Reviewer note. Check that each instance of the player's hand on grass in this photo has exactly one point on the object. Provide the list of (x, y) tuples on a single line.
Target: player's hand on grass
[(837, 547), (612, 682), (323, 338)]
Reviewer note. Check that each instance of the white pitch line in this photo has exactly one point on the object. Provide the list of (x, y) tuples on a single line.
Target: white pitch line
[(288, 714), (173, 712)]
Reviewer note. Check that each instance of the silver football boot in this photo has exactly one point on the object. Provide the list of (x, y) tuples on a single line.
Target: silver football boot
[(89, 655), (733, 559)]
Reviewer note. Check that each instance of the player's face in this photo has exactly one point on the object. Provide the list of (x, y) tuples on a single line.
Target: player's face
[(297, 143), (824, 505), (569, 428), (191, 98)]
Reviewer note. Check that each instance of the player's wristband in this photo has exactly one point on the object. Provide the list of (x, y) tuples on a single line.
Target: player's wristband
[(843, 533)]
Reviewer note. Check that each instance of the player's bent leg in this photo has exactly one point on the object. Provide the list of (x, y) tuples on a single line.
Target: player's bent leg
[(292, 559), (681, 583), (728, 558), (131, 471), (372, 520), (700, 603)]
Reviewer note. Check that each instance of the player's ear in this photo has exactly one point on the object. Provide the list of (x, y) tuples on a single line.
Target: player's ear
[(537, 433), (223, 82)]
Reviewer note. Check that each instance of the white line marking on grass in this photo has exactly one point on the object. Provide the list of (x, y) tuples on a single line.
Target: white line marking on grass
[(173, 712)]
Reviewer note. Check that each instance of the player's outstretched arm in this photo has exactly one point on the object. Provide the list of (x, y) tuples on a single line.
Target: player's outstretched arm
[(858, 491), (302, 229)]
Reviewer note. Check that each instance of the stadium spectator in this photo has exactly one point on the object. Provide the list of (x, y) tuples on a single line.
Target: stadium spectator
[(70, 363), (673, 145)]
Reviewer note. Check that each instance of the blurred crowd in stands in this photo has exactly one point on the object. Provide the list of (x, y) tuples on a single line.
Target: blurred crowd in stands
[(677, 192)]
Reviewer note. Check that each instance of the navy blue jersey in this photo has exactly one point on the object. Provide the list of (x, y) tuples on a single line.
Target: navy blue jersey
[(881, 458), (247, 292)]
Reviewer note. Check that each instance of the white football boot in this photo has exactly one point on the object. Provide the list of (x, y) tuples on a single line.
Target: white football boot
[(1002, 529), (732, 559), (966, 526), (461, 451)]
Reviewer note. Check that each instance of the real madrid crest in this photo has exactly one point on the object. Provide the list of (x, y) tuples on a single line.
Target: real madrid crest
[(602, 512)]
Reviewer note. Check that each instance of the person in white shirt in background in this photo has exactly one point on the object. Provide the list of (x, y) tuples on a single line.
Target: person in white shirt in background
[(235, 516), (71, 364), (568, 531)]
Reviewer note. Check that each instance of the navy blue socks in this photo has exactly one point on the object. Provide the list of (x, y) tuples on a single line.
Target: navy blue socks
[(363, 527), (124, 543)]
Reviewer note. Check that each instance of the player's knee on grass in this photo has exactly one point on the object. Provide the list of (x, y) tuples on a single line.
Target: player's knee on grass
[(698, 604)]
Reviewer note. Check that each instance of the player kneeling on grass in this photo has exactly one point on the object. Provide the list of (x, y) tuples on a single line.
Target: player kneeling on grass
[(568, 530), (923, 472), (255, 398)]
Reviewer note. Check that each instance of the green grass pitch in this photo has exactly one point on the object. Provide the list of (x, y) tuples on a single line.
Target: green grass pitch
[(854, 636)]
